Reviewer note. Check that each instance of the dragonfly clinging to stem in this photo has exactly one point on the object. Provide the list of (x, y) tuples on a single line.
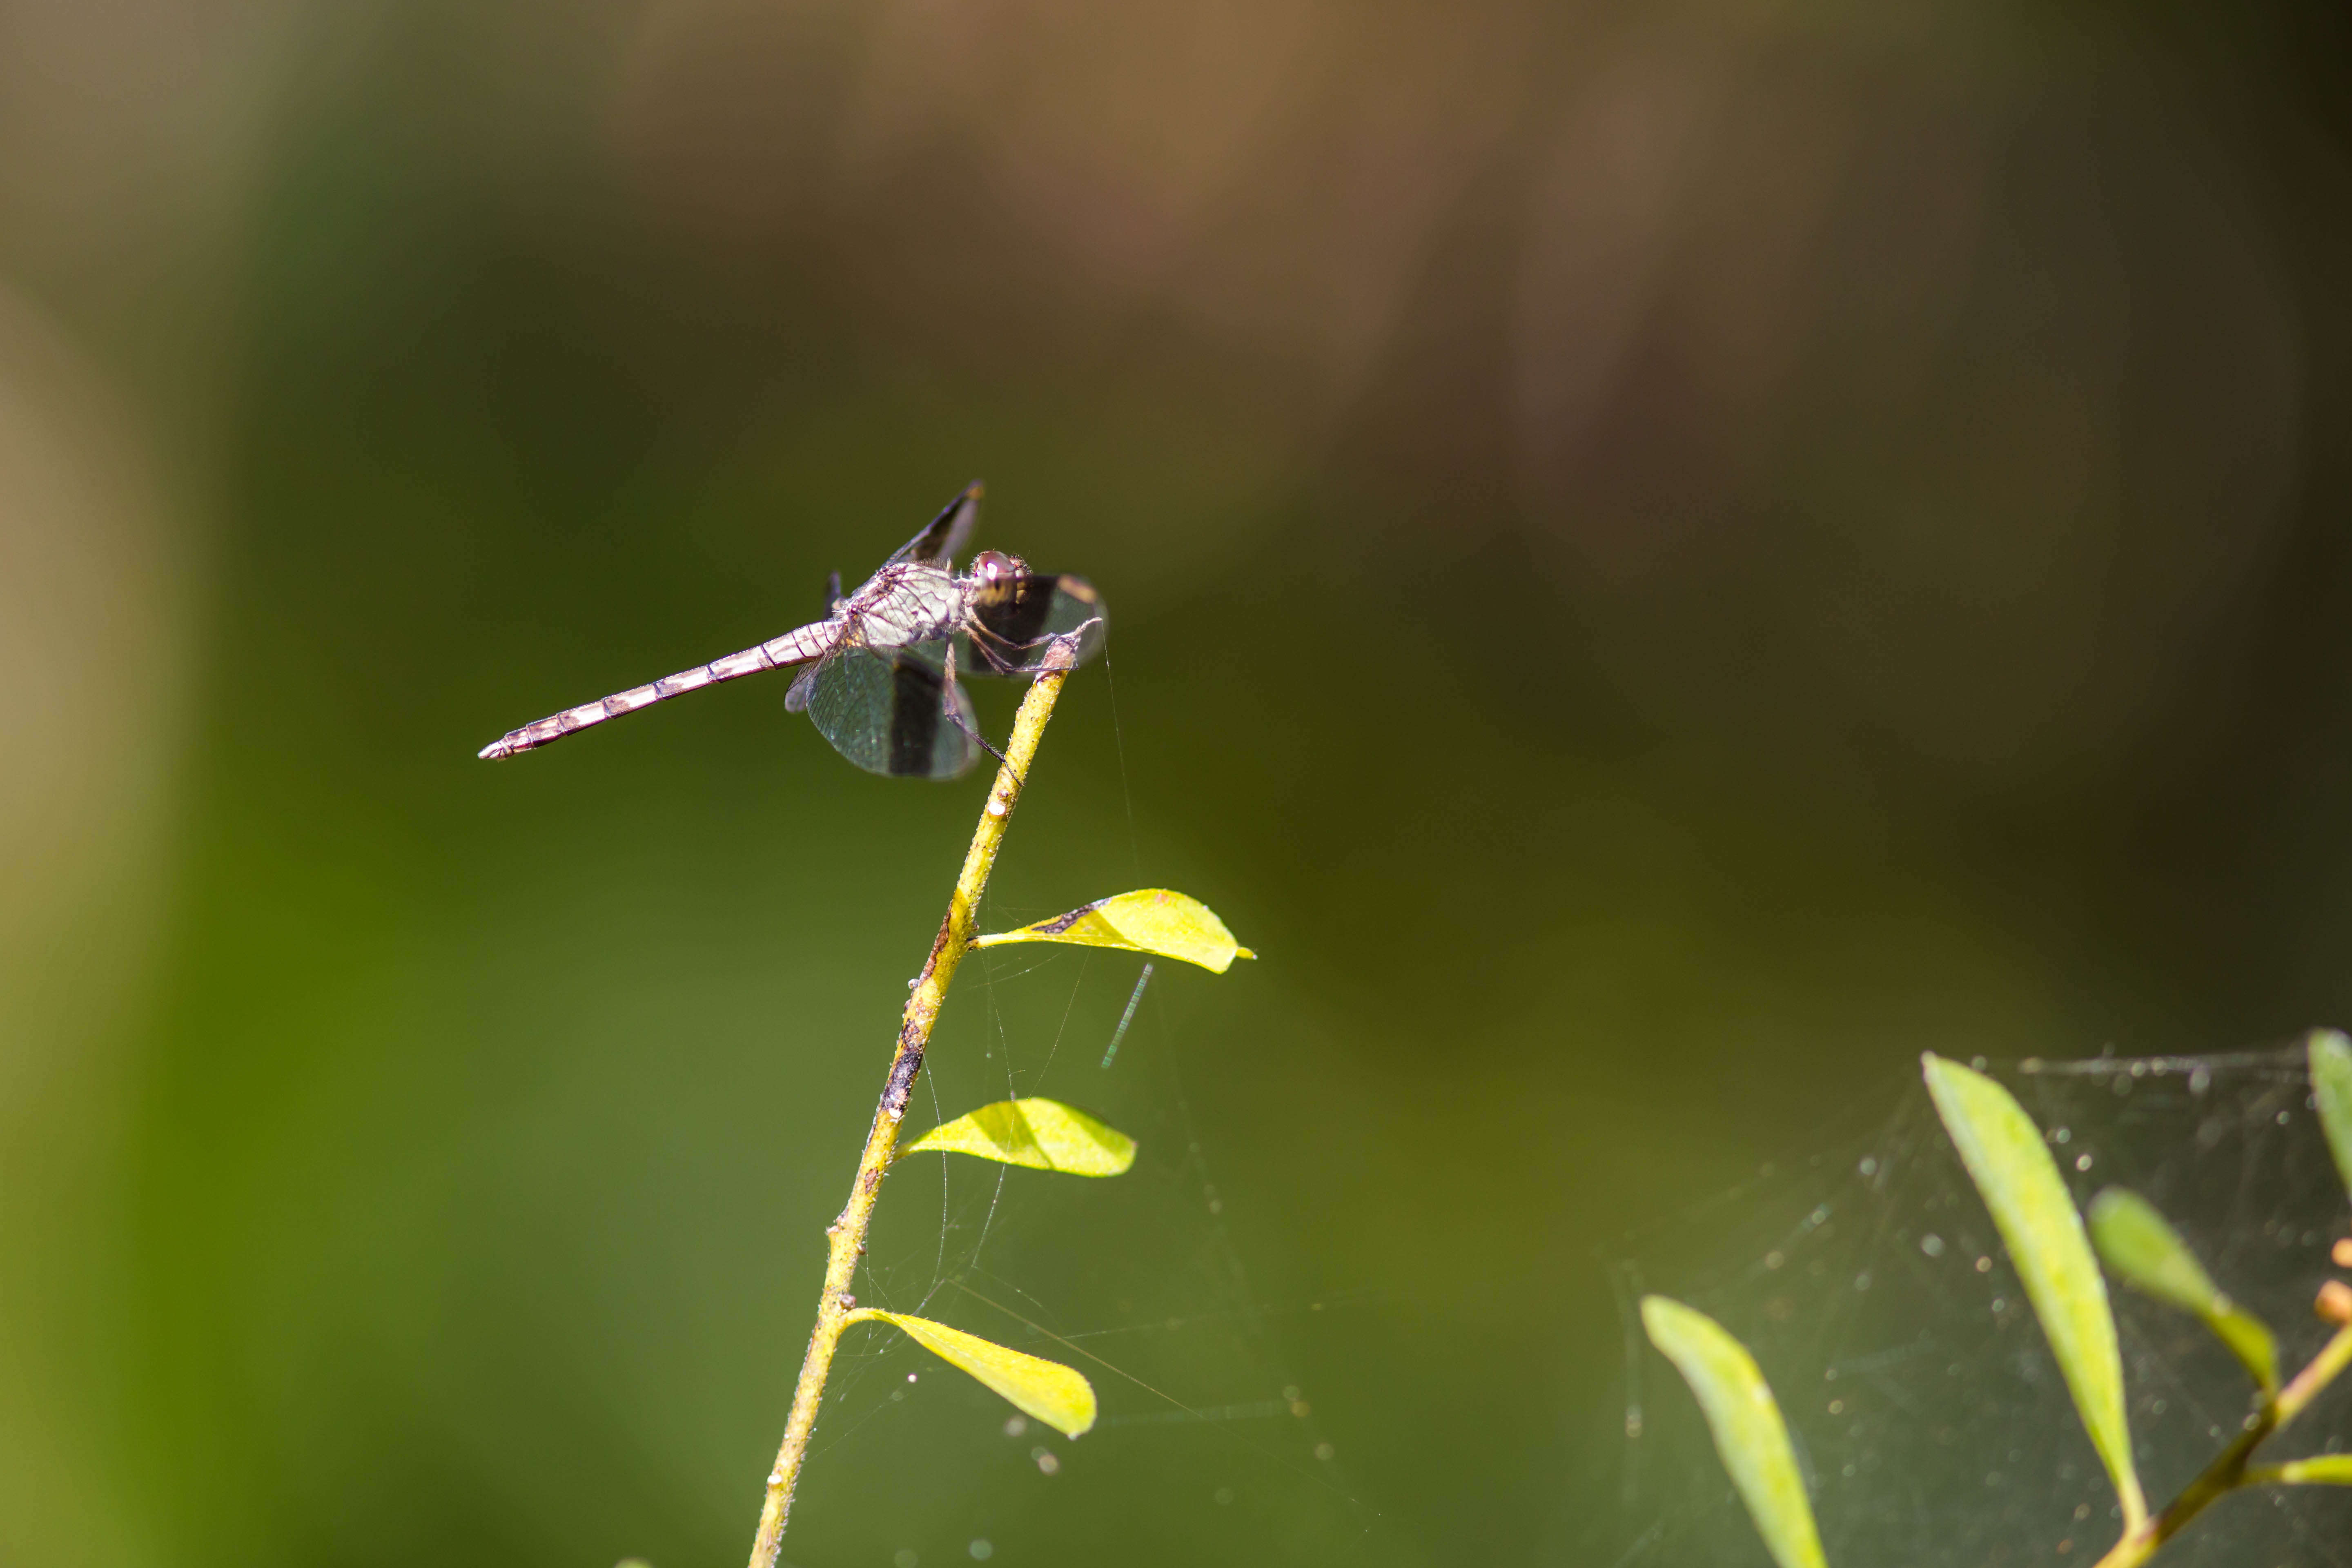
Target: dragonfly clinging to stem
[(880, 671)]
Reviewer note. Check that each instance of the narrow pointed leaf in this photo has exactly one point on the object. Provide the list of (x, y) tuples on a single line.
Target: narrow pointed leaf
[(2327, 1470), (1046, 1390), (1750, 1434), (1042, 1134), (2331, 1084), (2145, 1252), (2020, 1185), (1151, 921)]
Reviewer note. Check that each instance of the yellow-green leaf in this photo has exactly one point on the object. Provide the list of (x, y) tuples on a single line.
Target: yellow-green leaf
[(1047, 1390), (2020, 1184), (2145, 1252), (1152, 920), (1746, 1420), (1042, 1134), (2331, 1084), (2326, 1470)]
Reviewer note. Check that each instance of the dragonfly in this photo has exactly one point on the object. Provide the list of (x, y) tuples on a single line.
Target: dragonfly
[(879, 674)]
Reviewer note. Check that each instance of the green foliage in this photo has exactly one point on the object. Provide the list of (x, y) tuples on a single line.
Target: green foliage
[(2331, 1085), (2144, 1251), (1046, 1390), (1151, 920), (2326, 1470), (2013, 1172), (2046, 1240), (1750, 1434), (1042, 1134)]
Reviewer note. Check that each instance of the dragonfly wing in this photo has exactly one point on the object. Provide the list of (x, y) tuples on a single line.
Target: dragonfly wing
[(895, 711), (944, 537), (1013, 622), (797, 699)]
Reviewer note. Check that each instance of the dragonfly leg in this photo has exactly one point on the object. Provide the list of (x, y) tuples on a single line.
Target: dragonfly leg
[(954, 709)]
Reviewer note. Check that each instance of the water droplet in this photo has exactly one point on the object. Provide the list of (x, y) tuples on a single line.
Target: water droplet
[(1323, 1450), (1837, 1406), (1014, 1426), (905, 1557), (2082, 1162), (981, 1549), (1046, 1463), (1932, 1245), (1869, 1167), (2063, 1135), (1224, 1494), (1984, 1265), (1773, 1261)]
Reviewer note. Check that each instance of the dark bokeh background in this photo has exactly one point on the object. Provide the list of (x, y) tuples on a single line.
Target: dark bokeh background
[(1663, 561)]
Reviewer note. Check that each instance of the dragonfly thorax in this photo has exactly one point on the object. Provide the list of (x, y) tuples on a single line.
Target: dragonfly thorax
[(913, 602)]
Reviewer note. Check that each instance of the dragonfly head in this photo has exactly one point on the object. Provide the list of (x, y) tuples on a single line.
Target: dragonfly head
[(993, 568)]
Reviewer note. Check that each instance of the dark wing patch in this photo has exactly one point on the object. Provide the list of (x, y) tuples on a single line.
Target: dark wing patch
[(1014, 621), (895, 713), (944, 537)]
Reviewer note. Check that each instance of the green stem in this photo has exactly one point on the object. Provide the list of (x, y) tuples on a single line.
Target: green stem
[(836, 1309), (2230, 1471)]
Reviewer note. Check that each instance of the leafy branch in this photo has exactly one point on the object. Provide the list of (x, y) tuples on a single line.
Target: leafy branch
[(2053, 1250), (1038, 1133)]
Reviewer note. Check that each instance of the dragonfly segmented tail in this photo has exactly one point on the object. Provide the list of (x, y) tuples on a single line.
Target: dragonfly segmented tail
[(798, 646)]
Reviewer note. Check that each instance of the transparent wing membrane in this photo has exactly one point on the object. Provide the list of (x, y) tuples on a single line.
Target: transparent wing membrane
[(944, 537), (895, 712)]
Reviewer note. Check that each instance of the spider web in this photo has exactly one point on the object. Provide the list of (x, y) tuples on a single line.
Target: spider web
[(1928, 1414)]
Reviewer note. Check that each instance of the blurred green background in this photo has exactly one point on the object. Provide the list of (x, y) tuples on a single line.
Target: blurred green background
[(1662, 559)]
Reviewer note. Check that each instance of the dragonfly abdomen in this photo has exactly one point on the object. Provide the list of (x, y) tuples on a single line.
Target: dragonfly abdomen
[(797, 646)]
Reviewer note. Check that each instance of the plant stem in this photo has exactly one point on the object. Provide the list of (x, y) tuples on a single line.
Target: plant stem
[(2229, 1472), (849, 1233)]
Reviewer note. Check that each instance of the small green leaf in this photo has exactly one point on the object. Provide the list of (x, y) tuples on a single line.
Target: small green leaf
[(1151, 921), (1044, 1389), (2325, 1470), (2331, 1084), (1750, 1434), (2020, 1184), (1042, 1134), (2145, 1252)]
